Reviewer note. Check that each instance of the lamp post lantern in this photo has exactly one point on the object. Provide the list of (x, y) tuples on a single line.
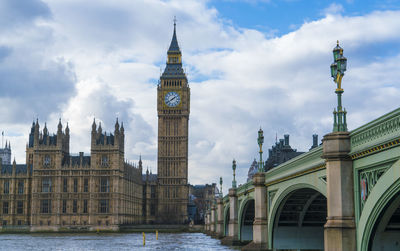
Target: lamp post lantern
[(234, 173), (338, 67), (220, 184), (260, 141)]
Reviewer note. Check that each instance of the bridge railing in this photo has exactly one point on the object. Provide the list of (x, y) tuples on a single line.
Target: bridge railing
[(245, 188), (375, 134)]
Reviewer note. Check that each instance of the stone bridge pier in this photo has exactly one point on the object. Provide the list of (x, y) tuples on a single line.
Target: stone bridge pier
[(208, 222), (220, 219), (260, 224), (212, 221), (340, 228), (232, 239)]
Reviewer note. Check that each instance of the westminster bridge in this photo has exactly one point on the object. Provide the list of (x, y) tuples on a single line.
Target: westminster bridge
[(343, 195)]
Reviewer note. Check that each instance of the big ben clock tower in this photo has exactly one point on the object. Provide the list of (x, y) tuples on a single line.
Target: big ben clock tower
[(173, 107)]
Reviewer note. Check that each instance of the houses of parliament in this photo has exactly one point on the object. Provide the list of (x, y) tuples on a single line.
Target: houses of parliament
[(55, 190)]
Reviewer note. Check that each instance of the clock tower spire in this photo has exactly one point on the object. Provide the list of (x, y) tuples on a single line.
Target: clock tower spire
[(173, 108)]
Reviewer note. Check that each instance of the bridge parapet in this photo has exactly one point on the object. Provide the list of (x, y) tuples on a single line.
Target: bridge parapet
[(245, 189), (377, 135)]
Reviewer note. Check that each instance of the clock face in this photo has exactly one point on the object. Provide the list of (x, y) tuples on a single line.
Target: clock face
[(172, 99)]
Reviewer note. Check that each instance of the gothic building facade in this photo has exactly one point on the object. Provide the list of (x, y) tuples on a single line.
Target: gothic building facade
[(57, 191)]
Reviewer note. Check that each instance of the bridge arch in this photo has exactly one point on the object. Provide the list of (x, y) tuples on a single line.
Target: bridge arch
[(381, 212), (246, 219), (226, 219), (297, 216)]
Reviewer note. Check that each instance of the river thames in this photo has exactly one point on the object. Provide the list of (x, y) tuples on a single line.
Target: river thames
[(112, 241)]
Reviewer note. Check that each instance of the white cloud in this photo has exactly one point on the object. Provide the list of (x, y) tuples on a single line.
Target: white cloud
[(333, 8), (240, 79)]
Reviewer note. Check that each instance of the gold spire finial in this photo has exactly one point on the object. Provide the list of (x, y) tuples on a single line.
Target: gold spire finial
[(337, 42)]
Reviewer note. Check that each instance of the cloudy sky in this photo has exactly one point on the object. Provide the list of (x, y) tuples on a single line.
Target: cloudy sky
[(250, 63)]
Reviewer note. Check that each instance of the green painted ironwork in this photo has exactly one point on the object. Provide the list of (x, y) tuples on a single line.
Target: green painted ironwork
[(375, 151), (244, 189), (379, 131), (384, 190), (367, 180), (234, 173), (226, 221), (271, 195)]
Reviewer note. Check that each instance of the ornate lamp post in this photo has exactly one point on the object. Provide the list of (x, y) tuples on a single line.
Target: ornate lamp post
[(338, 67), (260, 141), (234, 173), (220, 184)]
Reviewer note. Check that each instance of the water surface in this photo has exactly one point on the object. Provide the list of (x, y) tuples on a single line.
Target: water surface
[(117, 241)]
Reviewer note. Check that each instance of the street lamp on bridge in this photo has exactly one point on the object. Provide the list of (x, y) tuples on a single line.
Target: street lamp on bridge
[(220, 184), (260, 142), (338, 67), (234, 173)]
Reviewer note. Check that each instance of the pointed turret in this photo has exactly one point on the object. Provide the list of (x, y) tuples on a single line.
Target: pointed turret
[(173, 73), (45, 131), (94, 125), (36, 134), (67, 130), (99, 131), (174, 47), (140, 164), (31, 135), (66, 139), (116, 134), (33, 127), (94, 133), (116, 131), (59, 139), (37, 125), (59, 127)]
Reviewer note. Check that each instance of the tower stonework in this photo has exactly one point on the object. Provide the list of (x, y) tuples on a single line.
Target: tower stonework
[(5, 154), (173, 107)]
